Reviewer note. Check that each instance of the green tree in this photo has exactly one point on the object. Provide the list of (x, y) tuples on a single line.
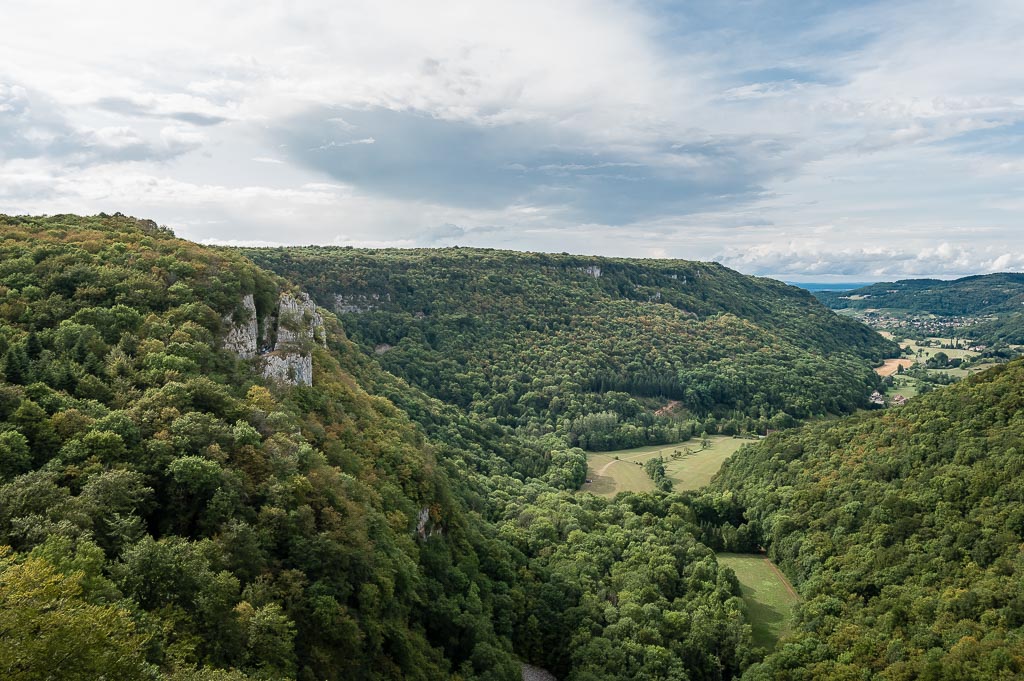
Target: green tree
[(48, 631)]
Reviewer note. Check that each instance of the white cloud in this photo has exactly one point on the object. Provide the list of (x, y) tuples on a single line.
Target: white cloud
[(878, 263)]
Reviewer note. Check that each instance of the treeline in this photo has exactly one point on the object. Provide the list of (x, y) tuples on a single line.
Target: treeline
[(171, 515), (903, 531), (548, 343)]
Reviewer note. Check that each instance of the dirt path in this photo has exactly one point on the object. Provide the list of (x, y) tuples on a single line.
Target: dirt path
[(785, 580), (668, 408), (606, 466)]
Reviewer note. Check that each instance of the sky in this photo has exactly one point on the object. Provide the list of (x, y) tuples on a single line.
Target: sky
[(807, 140)]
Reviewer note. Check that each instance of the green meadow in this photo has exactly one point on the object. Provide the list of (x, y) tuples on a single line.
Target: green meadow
[(769, 597), (687, 464)]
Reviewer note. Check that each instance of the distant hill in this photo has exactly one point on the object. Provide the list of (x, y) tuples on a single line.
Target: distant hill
[(590, 348), (975, 295), (991, 306), (903, 531), (827, 286)]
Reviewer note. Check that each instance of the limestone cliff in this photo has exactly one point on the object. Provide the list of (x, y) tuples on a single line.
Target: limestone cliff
[(359, 302), (285, 350), (243, 330), (292, 368)]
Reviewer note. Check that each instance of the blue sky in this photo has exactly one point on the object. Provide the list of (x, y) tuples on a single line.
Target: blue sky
[(805, 140)]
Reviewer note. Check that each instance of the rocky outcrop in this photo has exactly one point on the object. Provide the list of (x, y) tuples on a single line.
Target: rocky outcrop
[(292, 368), (297, 326), (243, 330), (298, 321), (592, 270), (428, 523), (531, 673), (285, 350), (359, 302)]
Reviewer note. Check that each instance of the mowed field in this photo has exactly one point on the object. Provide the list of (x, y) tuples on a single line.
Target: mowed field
[(891, 366), (927, 351), (691, 469), (767, 593)]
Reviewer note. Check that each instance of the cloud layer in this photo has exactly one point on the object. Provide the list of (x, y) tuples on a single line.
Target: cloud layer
[(856, 139)]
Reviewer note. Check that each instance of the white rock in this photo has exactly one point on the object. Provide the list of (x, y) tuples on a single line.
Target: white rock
[(297, 320), (292, 368), (242, 335)]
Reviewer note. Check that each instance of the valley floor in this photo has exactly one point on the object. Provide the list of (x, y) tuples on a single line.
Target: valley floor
[(686, 464), (769, 596)]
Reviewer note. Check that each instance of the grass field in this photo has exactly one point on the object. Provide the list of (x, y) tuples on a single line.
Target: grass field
[(927, 351), (691, 469), (904, 386), (768, 595), (970, 371)]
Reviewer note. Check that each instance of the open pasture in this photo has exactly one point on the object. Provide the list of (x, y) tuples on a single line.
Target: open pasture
[(768, 595), (686, 464)]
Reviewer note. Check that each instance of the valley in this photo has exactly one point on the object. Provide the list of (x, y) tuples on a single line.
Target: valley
[(689, 465), (768, 595), (986, 308), (932, 361), (512, 341), (337, 463)]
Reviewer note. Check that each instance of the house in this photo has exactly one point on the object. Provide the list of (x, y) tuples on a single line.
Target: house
[(899, 401), (877, 398)]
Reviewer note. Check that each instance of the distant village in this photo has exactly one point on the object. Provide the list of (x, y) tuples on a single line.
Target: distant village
[(917, 325)]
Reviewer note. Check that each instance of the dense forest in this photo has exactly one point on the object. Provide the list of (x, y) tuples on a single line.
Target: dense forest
[(904, 532), (173, 509), (168, 512), (589, 348), (993, 304)]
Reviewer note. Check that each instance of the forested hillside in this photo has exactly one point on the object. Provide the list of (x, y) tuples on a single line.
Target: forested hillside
[(904, 532), (974, 295), (591, 348), (988, 308), (181, 500)]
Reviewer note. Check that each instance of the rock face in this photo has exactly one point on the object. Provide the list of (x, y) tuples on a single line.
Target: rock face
[(243, 332), (298, 320), (427, 525), (359, 302), (288, 367), (288, 338), (531, 673)]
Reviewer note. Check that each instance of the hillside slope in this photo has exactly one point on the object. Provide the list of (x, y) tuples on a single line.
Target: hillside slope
[(903, 530), (201, 478), (590, 348)]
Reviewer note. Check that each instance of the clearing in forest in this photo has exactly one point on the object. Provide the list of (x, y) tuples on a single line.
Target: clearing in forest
[(686, 464), (769, 596)]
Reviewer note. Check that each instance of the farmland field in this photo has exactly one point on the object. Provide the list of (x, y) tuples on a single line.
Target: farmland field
[(768, 595), (891, 366), (688, 468), (928, 351)]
